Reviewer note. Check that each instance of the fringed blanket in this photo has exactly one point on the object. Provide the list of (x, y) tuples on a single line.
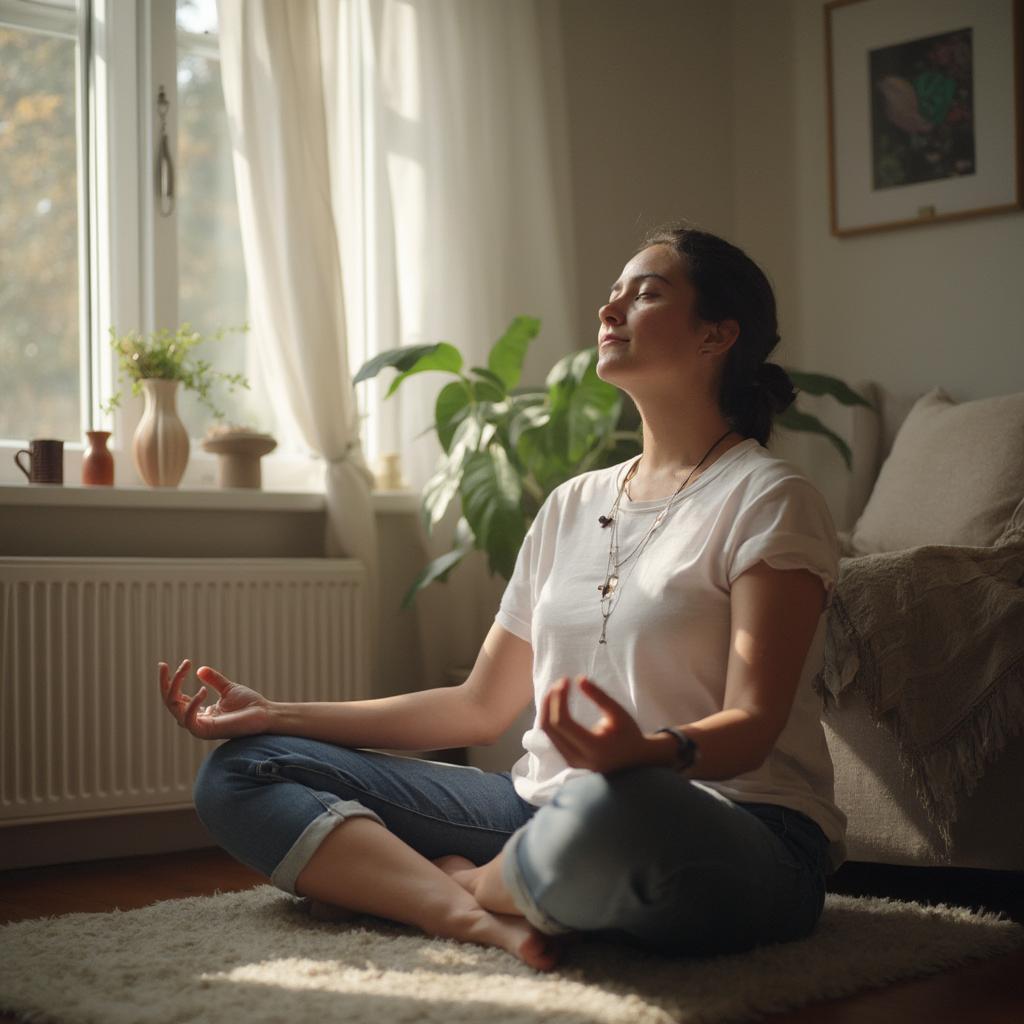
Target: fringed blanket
[(934, 638)]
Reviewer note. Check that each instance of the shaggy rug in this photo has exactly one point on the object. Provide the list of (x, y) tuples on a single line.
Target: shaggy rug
[(257, 956)]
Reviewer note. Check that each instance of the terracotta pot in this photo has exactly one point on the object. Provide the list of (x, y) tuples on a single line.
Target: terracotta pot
[(98, 462), (160, 445)]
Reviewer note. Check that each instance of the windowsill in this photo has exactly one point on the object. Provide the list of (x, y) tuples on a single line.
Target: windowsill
[(71, 496)]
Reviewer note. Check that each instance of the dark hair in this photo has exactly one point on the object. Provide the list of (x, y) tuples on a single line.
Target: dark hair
[(731, 286)]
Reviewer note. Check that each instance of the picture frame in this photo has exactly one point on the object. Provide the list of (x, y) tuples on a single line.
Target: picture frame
[(924, 111)]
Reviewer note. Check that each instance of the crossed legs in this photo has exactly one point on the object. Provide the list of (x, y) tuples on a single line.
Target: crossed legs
[(643, 852), (363, 867)]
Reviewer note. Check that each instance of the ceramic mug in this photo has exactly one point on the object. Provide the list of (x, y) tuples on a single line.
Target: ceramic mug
[(46, 462)]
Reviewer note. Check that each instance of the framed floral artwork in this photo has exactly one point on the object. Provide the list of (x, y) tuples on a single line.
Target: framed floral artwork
[(924, 111)]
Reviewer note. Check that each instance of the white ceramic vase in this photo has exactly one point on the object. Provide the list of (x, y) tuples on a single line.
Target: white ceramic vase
[(160, 445)]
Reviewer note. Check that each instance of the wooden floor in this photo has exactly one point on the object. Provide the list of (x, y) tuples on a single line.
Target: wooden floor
[(985, 992)]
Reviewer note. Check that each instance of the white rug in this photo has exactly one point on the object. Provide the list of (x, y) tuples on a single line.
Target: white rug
[(257, 956)]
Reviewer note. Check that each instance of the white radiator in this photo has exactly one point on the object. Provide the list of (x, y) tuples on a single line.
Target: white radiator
[(83, 732)]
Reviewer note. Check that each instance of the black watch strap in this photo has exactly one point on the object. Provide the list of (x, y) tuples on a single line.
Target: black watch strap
[(687, 748)]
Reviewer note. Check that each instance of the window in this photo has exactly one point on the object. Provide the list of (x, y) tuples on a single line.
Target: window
[(43, 270), (211, 274), (79, 131)]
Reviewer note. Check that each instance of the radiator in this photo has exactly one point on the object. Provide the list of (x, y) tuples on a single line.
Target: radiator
[(83, 732)]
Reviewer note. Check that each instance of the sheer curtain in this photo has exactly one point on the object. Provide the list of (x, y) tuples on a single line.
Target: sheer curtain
[(402, 181), (274, 94), (445, 132)]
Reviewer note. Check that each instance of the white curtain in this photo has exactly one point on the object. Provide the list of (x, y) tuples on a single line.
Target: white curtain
[(407, 155), (274, 94), (446, 138)]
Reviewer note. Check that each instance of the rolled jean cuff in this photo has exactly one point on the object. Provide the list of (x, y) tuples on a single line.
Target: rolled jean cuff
[(512, 876), (287, 872)]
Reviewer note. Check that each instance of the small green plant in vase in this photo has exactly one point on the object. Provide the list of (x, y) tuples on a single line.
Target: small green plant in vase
[(156, 364), (161, 355)]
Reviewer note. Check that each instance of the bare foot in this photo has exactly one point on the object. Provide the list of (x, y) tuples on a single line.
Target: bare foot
[(518, 937)]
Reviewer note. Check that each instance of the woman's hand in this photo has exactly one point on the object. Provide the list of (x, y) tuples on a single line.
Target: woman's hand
[(239, 711), (615, 742)]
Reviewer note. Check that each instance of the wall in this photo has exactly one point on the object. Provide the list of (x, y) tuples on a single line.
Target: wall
[(938, 304), (912, 308), (649, 97)]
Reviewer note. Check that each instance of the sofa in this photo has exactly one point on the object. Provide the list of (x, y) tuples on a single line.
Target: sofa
[(932, 517)]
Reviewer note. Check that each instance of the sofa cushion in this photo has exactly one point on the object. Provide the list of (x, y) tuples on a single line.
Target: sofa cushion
[(955, 475)]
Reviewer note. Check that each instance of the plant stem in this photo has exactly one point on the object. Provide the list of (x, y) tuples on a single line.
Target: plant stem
[(534, 489)]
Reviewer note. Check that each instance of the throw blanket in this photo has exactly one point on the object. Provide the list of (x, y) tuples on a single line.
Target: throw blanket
[(934, 638)]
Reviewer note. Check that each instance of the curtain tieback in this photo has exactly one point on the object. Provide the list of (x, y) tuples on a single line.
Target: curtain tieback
[(344, 456)]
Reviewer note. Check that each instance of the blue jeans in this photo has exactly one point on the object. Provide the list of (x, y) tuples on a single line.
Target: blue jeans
[(642, 854)]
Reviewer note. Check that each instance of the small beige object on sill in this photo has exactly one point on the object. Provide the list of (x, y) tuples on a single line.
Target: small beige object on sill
[(389, 475), (239, 453)]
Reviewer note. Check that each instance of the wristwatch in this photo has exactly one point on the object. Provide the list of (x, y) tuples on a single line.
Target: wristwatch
[(687, 748)]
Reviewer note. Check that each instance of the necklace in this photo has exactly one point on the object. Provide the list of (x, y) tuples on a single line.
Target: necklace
[(610, 590)]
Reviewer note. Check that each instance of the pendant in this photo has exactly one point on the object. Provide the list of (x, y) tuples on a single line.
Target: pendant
[(608, 586)]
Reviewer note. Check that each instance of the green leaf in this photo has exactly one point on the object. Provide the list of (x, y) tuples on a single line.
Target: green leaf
[(412, 359), (438, 492), (542, 451), (488, 391), (463, 534), (399, 358), (506, 357), (492, 504), (564, 377), (445, 357), (470, 434), (529, 418), (523, 398), (487, 375), (451, 407), (438, 569), (559, 372), (594, 406), (822, 384), (793, 419)]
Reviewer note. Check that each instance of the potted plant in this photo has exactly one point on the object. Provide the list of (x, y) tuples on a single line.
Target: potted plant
[(506, 447), (157, 363)]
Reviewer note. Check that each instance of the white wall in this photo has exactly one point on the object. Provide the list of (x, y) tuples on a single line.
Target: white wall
[(716, 112), (915, 307), (649, 102), (912, 308)]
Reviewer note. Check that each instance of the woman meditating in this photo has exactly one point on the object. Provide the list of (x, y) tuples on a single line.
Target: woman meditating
[(666, 615)]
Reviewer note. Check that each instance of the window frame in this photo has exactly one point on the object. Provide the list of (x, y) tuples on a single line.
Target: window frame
[(73, 23)]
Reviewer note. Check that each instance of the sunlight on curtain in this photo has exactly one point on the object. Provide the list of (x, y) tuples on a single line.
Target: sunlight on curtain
[(400, 65), (439, 137)]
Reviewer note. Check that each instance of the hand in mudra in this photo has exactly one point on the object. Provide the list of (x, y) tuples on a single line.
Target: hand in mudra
[(239, 711), (615, 741)]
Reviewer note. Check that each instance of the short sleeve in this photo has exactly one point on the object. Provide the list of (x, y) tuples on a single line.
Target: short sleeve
[(788, 526), (515, 611)]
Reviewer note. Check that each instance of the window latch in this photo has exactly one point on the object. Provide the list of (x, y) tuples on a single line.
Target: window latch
[(165, 166)]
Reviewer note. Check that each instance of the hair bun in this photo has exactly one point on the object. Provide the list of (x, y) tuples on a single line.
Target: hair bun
[(775, 381)]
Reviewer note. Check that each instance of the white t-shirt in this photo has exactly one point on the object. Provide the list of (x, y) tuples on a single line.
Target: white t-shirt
[(668, 635)]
